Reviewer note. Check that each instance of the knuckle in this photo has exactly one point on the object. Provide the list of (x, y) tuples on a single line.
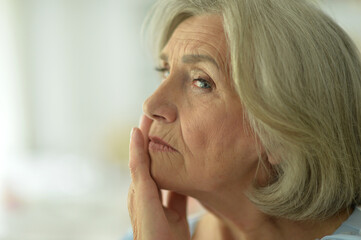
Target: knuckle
[(133, 169), (131, 193), (131, 199)]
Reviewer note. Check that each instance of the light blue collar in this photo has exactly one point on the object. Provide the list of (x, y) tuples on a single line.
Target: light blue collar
[(350, 229)]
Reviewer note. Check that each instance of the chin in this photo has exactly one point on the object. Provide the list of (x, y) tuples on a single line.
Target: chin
[(162, 177), (167, 180)]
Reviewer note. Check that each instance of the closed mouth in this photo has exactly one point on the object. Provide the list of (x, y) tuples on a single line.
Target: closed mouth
[(158, 144)]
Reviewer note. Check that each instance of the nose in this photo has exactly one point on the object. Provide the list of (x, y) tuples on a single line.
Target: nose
[(161, 106)]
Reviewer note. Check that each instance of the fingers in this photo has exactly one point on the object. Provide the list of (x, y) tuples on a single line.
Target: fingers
[(138, 157), (144, 125), (150, 220), (144, 204), (178, 203), (139, 169), (130, 199)]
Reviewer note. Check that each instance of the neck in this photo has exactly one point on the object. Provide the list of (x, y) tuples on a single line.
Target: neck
[(235, 217)]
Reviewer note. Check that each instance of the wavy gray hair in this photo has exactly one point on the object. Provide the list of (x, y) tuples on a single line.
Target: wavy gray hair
[(298, 75)]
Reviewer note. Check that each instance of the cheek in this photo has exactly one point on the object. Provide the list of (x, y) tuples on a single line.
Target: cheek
[(201, 130), (195, 136), (220, 147), (207, 136), (213, 130), (198, 121)]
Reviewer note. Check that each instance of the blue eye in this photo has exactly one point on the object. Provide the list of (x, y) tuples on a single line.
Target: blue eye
[(201, 83)]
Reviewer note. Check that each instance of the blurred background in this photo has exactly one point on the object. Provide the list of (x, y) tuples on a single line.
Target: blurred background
[(73, 76)]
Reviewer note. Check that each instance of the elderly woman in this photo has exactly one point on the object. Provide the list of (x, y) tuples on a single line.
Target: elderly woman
[(258, 117)]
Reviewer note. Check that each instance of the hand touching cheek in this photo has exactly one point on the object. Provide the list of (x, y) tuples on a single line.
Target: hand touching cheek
[(150, 219)]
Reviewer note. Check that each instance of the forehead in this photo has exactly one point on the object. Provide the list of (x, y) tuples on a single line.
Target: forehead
[(201, 35)]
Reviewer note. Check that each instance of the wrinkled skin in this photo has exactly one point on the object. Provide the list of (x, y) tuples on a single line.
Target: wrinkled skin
[(196, 111)]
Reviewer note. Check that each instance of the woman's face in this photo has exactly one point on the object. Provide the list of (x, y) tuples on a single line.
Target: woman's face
[(196, 111)]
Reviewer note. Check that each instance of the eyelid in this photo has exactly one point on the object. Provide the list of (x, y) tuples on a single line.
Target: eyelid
[(211, 87), (195, 74), (161, 69), (199, 74)]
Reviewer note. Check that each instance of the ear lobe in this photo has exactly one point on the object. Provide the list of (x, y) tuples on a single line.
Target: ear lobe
[(268, 158), (267, 173), (273, 161), (266, 155)]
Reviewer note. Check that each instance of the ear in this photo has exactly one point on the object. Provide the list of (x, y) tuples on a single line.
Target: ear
[(272, 160), (266, 174), (267, 157)]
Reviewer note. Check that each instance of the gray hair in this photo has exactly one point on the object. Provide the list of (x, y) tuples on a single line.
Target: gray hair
[(298, 76)]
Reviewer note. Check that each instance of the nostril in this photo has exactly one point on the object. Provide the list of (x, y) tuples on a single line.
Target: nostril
[(158, 117)]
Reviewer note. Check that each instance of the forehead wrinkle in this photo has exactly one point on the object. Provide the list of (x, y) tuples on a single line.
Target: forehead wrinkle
[(216, 52), (170, 48), (205, 34), (198, 45), (192, 37), (195, 58), (200, 32)]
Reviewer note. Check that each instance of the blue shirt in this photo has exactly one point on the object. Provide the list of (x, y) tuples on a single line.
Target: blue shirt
[(349, 230)]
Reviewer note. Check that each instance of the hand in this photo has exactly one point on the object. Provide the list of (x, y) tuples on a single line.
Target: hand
[(150, 219)]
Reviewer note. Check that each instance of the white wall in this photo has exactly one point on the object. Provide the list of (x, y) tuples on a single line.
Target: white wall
[(347, 13), (84, 69), (11, 111)]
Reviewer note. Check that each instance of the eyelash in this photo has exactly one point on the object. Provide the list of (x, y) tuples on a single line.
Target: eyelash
[(162, 70), (200, 80)]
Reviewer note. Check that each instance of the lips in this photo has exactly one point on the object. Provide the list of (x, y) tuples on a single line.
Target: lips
[(158, 144)]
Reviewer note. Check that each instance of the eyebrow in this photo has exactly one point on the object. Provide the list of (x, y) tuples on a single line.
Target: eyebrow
[(193, 58)]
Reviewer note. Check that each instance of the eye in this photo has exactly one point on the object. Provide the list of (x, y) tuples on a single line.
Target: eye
[(164, 71), (202, 83)]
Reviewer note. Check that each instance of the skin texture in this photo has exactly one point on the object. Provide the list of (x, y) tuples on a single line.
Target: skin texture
[(150, 219), (204, 124), (198, 113)]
